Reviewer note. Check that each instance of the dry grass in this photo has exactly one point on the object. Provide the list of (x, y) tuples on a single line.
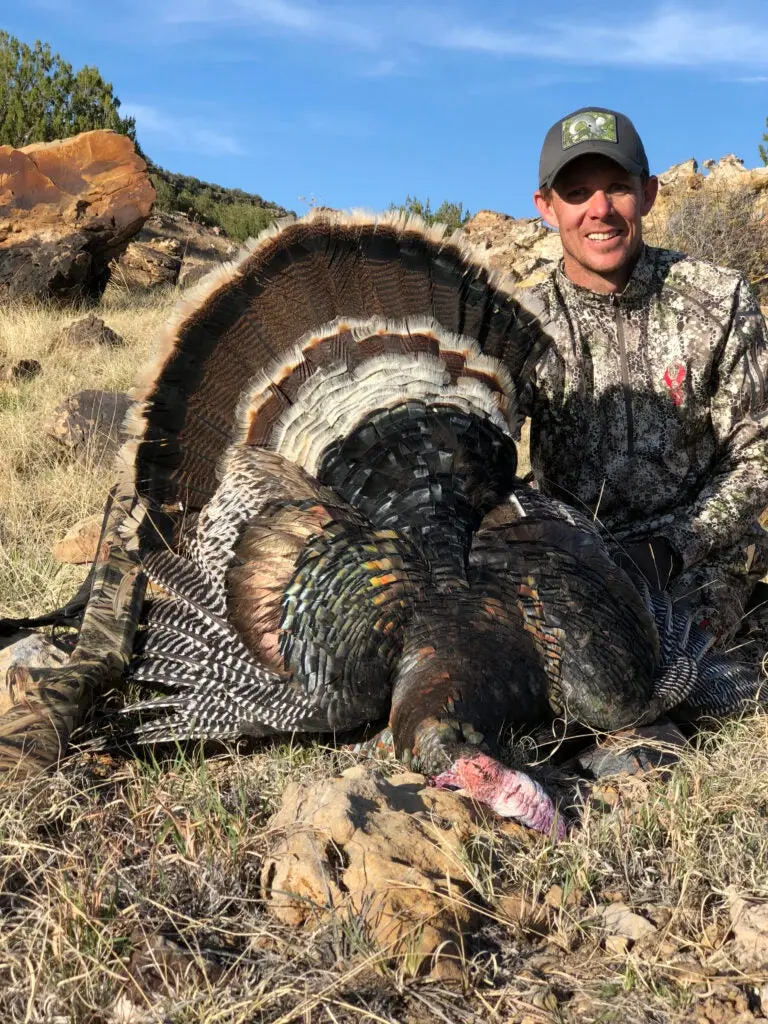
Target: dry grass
[(44, 489), (129, 890), (133, 888), (725, 225)]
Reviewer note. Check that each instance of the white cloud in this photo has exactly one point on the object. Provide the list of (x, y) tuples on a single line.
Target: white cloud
[(680, 34), (187, 134), (310, 20), (671, 36)]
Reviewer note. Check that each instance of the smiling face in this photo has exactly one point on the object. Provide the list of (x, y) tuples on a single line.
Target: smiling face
[(598, 208)]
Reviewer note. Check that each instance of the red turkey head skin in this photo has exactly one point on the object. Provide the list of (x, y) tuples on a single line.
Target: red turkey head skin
[(508, 793)]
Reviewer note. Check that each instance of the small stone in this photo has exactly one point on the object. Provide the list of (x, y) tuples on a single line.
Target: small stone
[(619, 920), (372, 849), (448, 966), (125, 1011), (31, 651), (618, 945), (78, 546), (24, 369), (90, 330), (518, 910), (749, 925), (554, 897), (545, 999), (633, 751)]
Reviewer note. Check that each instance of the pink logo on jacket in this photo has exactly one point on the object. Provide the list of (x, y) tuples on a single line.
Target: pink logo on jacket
[(674, 375)]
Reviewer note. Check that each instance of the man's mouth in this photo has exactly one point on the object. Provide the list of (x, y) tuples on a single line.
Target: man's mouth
[(603, 236)]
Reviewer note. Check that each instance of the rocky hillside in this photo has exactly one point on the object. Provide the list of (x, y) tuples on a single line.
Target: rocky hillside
[(240, 214), (527, 249)]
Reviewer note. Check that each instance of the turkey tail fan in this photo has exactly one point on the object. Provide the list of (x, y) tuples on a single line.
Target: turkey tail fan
[(254, 323)]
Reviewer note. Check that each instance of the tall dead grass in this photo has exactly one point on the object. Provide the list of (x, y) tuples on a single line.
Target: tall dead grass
[(44, 488)]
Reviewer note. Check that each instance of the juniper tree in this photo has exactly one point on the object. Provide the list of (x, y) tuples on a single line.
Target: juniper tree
[(42, 98)]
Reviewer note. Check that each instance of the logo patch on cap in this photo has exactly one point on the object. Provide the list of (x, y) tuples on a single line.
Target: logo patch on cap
[(587, 126)]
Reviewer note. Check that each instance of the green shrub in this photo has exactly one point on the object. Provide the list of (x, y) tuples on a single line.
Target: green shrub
[(240, 214), (453, 215)]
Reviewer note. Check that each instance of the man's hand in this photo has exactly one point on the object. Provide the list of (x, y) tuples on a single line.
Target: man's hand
[(655, 558)]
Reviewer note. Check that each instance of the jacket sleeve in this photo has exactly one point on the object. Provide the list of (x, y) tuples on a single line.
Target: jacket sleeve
[(737, 491)]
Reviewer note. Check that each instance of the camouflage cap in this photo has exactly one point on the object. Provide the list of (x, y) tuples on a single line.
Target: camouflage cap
[(591, 130)]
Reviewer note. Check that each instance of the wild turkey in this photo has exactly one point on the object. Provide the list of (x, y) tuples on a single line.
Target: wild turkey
[(322, 485)]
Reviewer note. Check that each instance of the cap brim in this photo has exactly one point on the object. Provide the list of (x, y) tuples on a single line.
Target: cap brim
[(593, 146)]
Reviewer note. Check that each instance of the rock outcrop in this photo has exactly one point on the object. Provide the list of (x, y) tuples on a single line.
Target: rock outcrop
[(145, 266), (67, 209), (523, 247), (171, 250), (527, 249), (726, 174)]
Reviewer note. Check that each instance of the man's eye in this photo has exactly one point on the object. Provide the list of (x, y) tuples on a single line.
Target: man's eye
[(619, 188), (576, 195)]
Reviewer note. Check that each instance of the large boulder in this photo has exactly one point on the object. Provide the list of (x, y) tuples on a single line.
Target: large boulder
[(67, 209)]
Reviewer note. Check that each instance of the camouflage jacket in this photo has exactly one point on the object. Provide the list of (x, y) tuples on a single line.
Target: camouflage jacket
[(650, 407)]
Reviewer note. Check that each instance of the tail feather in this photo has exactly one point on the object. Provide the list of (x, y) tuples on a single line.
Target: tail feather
[(692, 680)]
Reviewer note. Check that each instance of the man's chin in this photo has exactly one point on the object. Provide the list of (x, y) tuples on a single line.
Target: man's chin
[(609, 264)]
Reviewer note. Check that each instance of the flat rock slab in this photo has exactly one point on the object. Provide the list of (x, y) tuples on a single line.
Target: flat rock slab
[(90, 419), (67, 209), (384, 853)]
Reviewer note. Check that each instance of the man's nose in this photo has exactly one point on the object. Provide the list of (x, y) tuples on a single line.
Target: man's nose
[(600, 204)]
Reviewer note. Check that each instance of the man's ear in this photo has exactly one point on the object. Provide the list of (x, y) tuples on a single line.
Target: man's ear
[(650, 191), (545, 207)]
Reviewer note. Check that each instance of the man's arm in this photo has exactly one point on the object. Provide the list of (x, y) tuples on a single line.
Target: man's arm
[(737, 491)]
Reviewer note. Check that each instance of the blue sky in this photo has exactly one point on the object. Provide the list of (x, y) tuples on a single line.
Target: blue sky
[(360, 103)]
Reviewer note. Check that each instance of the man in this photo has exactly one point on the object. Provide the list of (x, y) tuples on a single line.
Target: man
[(646, 379)]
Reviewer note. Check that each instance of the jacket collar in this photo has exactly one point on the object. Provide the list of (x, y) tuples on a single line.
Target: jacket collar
[(641, 284)]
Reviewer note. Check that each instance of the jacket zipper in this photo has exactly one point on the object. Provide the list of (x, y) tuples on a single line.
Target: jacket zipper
[(624, 376)]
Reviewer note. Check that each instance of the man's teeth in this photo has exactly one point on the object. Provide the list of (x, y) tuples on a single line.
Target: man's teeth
[(602, 236)]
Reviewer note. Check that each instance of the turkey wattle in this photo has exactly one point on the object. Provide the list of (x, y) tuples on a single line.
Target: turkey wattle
[(322, 481)]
